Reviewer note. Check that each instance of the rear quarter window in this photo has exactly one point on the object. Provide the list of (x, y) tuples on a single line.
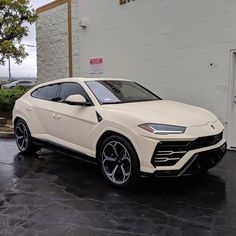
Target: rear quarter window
[(48, 92)]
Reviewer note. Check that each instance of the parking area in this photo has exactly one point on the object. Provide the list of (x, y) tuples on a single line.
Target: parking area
[(52, 194)]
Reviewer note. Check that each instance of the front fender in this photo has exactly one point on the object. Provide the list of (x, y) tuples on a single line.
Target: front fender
[(117, 128)]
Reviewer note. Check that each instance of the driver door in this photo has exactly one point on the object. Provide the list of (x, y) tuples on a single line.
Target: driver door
[(72, 124)]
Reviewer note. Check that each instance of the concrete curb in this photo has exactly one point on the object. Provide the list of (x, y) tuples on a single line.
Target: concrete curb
[(6, 135)]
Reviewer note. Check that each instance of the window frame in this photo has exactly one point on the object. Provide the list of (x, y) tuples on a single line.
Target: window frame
[(24, 82), (44, 87), (59, 92), (112, 103), (69, 82)]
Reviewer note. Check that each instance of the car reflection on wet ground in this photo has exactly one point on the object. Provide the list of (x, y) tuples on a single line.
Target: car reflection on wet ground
[(52, 194)]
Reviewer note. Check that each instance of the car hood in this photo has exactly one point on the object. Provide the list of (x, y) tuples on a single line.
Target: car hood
[(165, 112)]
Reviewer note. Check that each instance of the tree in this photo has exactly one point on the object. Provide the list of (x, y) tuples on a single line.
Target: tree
[(14, 17)]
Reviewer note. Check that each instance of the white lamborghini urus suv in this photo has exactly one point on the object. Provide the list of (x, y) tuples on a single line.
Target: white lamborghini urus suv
[(124, 127)]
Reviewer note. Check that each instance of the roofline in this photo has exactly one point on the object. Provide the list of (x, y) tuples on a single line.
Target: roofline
[(79, 79), (73, 79), (50, 5), (84, 79)]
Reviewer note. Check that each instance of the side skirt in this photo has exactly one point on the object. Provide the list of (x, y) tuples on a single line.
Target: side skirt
[(64, 150)]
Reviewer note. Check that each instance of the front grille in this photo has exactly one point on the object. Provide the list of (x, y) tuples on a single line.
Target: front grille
[(168, 153), (205, 141)]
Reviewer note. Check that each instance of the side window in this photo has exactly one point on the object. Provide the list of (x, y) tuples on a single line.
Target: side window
[(25, 82), (68, 89), (48, 93), (35, 93)]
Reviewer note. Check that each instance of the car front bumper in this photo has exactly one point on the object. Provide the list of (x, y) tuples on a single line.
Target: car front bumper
[(147, 165), (199, 162)]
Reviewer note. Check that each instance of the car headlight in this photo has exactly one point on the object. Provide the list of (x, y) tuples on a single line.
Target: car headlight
[(163, 129)]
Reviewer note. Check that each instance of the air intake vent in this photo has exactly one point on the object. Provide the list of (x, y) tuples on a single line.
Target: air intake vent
[(169, 153), (167, 158), (98, 117)]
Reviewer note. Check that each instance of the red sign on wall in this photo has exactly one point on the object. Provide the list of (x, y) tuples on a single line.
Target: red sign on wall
[(96, 66), (96, 61)]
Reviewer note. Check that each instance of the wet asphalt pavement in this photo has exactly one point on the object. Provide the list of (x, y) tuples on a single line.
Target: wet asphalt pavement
[(52, 194)]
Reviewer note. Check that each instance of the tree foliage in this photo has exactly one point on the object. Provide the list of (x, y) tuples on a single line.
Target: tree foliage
[(15, 15)]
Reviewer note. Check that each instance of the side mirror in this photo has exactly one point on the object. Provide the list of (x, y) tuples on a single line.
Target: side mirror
[(77, 100)]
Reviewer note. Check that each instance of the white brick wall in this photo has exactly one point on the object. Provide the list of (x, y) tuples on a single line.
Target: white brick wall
[(52, 44), (75, 37)]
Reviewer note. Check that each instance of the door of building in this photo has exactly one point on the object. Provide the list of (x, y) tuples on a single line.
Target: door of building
[(232, 105)]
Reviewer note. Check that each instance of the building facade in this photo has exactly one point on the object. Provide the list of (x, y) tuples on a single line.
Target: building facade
[(183, 50)]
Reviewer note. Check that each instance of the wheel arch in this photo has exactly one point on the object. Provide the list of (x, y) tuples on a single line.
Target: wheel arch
[(109, 133), (20, 118), (15, 120)]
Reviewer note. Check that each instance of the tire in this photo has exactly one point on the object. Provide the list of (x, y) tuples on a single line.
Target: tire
[(23, 138), (119, 162)]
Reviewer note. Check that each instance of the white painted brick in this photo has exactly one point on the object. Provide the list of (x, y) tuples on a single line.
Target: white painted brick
[(52, 44)]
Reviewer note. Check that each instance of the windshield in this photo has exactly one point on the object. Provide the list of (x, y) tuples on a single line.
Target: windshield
[(119, 91)]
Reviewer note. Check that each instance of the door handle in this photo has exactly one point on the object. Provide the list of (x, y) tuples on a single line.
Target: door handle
[(28, 108), (56, 116)]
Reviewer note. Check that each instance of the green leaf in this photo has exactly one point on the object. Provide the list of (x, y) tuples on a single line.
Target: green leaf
[(14, 14)]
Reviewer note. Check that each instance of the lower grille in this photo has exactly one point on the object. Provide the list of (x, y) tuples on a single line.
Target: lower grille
[(169, 153), (199, 162), (205, 160)]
